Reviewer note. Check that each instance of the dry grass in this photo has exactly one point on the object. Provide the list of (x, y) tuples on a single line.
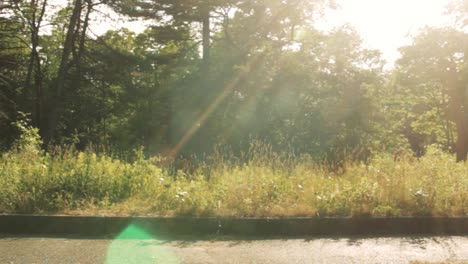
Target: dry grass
[(268, 185)]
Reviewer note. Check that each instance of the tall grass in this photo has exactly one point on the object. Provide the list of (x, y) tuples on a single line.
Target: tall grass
[(266, 184)]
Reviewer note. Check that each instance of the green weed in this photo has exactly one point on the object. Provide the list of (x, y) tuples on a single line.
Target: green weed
[(265, 184)]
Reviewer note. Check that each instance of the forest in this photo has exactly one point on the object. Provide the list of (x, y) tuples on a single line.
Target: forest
[(220, 99)]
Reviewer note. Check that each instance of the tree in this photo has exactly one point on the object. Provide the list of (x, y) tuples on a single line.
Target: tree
[(31, 14), (181, 12), (21, 24), (70, 59), (436, 61), (459, 10)]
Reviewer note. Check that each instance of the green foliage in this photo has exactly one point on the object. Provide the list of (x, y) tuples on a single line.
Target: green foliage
[(339, 134), (271, 76), (29, 139), (74, 182), (431, 83)]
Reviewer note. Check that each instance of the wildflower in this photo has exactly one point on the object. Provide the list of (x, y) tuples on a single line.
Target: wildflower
[(420, 193)]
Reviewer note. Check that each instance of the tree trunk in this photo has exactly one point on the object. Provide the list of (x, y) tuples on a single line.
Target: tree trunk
[(33, 29), (38, 77), (458, 104), (39, 97), (34, 73), (206, 37), (57, 104), (80, 38)]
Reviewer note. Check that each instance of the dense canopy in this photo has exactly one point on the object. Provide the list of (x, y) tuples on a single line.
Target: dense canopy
[(223, 74)]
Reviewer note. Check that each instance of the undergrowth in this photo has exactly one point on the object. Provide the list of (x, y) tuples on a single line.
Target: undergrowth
[(73, 182)]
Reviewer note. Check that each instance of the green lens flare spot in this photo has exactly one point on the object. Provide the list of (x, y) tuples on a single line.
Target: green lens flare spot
[(136, 245)]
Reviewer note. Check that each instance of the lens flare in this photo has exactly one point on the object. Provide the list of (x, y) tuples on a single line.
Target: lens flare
[(136, 245)]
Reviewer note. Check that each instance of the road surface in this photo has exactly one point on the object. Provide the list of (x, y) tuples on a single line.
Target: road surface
[(22, 249)]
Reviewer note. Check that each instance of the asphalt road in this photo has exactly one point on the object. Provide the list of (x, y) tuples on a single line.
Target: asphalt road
[(21, 249)]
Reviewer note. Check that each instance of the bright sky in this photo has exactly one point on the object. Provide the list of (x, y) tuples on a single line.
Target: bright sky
[(386, 24)]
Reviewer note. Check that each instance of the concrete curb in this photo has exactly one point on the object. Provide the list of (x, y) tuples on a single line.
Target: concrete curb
[(164, 226)]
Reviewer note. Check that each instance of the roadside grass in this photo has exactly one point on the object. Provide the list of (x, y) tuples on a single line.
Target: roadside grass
[(84, 183)]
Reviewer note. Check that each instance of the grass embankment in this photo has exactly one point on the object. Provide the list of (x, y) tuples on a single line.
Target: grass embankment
[(84, 183)]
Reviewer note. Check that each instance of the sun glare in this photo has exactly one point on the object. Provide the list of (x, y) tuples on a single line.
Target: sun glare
[(385, 24)]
